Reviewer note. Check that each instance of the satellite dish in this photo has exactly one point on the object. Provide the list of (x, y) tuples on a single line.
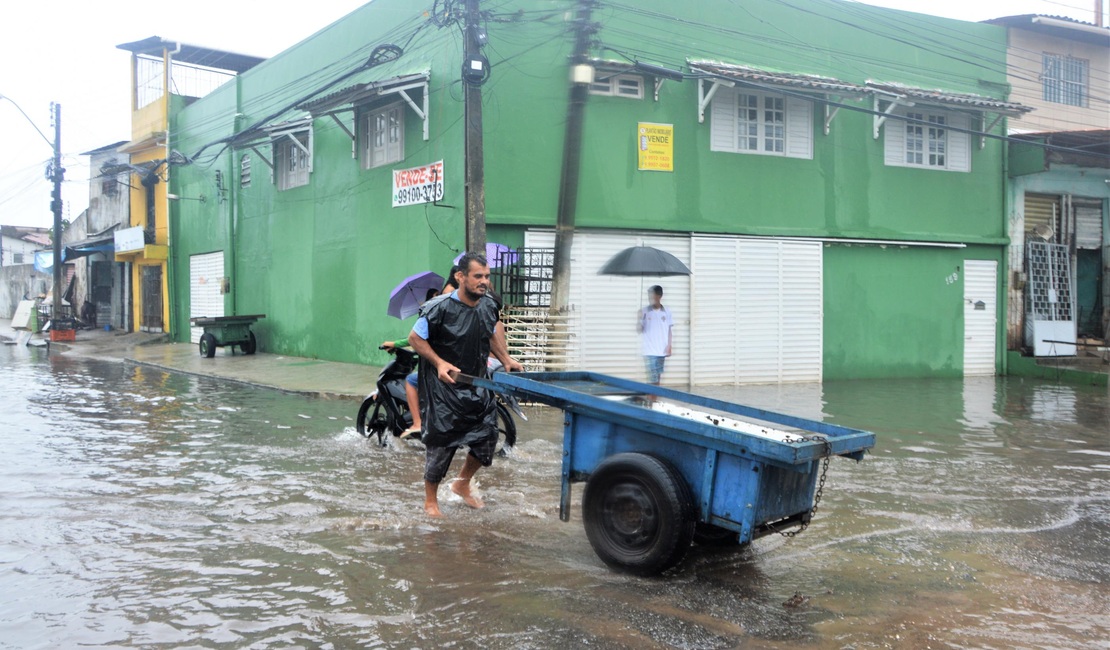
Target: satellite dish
[(1043, 231)]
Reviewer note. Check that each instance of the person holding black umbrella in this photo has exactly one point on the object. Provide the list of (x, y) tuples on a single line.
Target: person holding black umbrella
[(656, 324)]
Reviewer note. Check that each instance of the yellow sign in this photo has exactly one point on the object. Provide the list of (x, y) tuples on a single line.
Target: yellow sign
[(655, 146)]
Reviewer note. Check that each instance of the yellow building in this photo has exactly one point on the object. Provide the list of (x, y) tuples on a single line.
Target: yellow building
[(190, 72)]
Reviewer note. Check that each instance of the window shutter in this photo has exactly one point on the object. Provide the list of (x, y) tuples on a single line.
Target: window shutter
[(395, 134), (959, 144), (722, 120), (311, 151), (894, 142), (799, 128)]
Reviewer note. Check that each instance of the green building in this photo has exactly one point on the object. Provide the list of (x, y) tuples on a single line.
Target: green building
[(818, 178)]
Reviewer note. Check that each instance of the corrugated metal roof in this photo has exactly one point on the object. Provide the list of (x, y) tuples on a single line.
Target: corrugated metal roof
[(194, 54), (943, 98), (358, 92), (799, 81)]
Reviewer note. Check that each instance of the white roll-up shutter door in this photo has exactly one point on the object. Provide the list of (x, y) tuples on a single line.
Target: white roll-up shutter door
[(1088, 223), (716, 307), (206, 274), (980, 316), (604, 307)]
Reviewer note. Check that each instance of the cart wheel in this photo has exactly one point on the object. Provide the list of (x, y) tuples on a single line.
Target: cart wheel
[(251, 346), (711, 535), (207, 346), (506, 429), (638, 513)]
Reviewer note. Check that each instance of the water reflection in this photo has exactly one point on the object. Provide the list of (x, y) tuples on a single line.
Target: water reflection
[(141, 508)]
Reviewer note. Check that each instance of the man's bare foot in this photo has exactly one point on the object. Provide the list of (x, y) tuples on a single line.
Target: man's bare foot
[(462, 488), (432, 510)]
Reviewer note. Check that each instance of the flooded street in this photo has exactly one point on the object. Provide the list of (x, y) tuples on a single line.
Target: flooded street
[(140, 508)]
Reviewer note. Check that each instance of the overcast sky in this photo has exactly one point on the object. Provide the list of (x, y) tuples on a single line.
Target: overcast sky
[(68, 54)]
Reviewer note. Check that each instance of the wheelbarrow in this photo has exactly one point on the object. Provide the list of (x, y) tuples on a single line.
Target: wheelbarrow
[(226, 331), (664, 468)]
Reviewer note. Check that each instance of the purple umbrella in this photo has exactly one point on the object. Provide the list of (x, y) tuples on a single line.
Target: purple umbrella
[(405, 299), (496, 255)]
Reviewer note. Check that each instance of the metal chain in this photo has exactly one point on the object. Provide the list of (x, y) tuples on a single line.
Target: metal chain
[(820, 485)]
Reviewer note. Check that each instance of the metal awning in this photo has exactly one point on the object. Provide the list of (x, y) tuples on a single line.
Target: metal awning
[(346, 99), (942, 99), (727, 74)]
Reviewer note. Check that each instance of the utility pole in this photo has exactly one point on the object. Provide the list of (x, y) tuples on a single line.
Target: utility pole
[(581, 76), (56, 175), (475, 72)]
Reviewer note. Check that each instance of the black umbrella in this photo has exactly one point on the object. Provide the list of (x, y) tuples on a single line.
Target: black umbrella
[(643, 261)]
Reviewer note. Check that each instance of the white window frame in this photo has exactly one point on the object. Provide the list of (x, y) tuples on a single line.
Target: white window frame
[(298, 154), (760, 123), (613, 86), (378, 135), (933, 153), (1065, 80)]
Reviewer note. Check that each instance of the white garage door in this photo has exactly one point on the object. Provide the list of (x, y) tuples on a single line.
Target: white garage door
[(980, 320), (206, 273), (755, 314), (758, 315), (605, 306)]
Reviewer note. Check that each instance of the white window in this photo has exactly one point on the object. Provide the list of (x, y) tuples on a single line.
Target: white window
[(1065, 80), (293, 159), (622, 85), (927, 142), (745, 121), (245, 170), (384, 136), (926, 146)]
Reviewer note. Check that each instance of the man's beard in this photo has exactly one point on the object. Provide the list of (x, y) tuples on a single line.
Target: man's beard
[(471, 295)]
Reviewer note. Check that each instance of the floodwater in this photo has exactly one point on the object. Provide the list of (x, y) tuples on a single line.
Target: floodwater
[(145, 509)]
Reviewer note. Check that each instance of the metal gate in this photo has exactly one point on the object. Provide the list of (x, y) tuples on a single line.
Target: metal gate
[(102, 291), (152, 298), (206, 297), (1049, 307)]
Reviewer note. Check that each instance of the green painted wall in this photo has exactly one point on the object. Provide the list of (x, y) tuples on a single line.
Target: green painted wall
[(846, 190), (896, 312), (320, 260)]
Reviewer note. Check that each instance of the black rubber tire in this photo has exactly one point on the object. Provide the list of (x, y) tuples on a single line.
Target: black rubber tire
[(251, 346), (207, 346), (369, 423), (639, 514), (715, 536), (506, 429)]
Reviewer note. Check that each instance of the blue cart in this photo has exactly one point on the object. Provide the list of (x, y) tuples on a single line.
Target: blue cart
[(664, 468)]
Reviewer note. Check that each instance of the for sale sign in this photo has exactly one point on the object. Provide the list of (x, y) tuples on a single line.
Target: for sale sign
[(418, 185), (655, 146)]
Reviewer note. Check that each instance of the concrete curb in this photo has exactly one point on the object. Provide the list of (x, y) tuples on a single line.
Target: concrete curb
[(252, 384)]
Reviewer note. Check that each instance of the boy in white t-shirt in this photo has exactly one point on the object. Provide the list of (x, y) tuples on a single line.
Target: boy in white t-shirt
[(655, 325)]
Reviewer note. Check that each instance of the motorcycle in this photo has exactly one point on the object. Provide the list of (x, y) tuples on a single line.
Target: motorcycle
[(385, 411)]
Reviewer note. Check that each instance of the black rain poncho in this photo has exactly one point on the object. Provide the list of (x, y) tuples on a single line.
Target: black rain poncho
[(457, 414)]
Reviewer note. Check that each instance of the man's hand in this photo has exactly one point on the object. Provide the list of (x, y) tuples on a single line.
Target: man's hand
[(444, 371), (514, 366), (667, 352), (388, 346)]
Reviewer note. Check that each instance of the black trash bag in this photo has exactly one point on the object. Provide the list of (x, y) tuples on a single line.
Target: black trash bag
[(457, 414)]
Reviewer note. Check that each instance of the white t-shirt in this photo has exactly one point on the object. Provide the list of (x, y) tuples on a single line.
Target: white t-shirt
[(657, 325)]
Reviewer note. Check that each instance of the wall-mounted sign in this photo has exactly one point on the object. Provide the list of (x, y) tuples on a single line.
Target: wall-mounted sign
[(129, 239), (655, 146), (422, 184)]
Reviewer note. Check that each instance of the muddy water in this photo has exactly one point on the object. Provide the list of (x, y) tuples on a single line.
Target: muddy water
[(146, 509)]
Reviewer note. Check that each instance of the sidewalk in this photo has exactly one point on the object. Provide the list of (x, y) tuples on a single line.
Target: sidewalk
[(291, 374)]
